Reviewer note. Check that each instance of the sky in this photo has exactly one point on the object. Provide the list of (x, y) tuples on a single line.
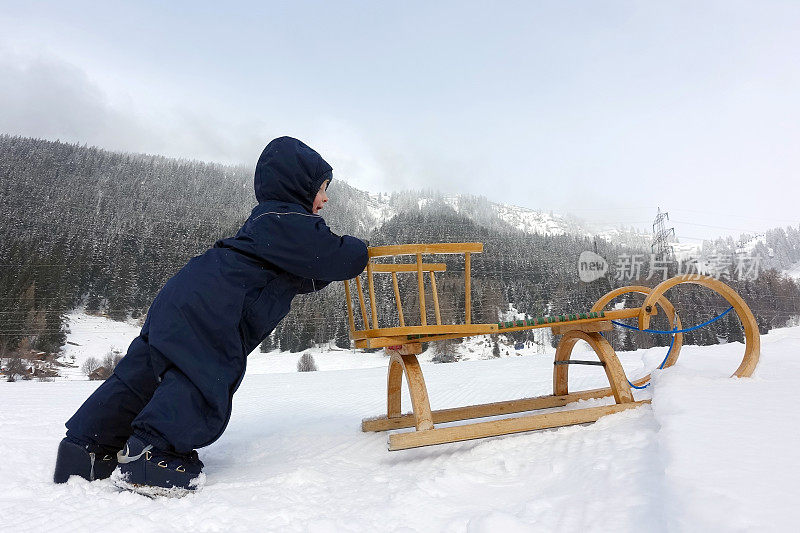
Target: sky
[(606, 110)]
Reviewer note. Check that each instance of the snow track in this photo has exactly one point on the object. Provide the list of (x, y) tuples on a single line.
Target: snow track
[(711, 454)]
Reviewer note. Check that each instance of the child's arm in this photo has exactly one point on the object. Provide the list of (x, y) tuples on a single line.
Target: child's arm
[(312, 285), (305, 246)]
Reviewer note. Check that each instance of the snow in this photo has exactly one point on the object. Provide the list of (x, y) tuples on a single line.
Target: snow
[(729, 445), (749, 245), (531, 221), (794, 271), (454, 202), (684, 251), (325, 359), (378, 209), (712, 453), (93, 336)]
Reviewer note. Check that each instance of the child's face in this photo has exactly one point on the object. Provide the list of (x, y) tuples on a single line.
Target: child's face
[(321, 198)]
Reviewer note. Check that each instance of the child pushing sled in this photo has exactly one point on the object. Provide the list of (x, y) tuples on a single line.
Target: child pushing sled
[(172, 391)]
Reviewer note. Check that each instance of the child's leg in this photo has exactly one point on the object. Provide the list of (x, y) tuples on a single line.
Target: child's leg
[(102, 425), (160, 455), (179, 418), (105, 417)]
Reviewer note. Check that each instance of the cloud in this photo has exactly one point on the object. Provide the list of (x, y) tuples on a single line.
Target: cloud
[(46, 97), (362, 162)]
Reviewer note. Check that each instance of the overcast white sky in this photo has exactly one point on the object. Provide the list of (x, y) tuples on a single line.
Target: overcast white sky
[(602, 109)]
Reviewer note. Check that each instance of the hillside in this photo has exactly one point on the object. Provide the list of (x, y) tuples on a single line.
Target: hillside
[(82, 227), (96, 336)]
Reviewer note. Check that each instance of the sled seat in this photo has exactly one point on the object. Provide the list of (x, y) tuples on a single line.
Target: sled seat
[(374, 334)]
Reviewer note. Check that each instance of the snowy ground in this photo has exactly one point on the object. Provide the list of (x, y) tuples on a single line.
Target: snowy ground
[(793, 271), (711, 454), (96, 336), (93, 336)]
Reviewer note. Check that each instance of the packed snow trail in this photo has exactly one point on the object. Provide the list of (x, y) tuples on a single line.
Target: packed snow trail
[(730, 446), (711, 453)]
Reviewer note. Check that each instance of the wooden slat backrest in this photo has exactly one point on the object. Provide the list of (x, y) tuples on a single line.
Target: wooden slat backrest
[(417, 267)]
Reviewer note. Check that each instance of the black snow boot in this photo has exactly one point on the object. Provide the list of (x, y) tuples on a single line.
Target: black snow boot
[(153, 472), (86, 460)]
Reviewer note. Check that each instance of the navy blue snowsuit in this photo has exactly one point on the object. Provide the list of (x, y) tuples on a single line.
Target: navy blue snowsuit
[(175, 385)]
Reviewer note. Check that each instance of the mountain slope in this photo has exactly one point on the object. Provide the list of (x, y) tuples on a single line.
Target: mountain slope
[(85, 227)]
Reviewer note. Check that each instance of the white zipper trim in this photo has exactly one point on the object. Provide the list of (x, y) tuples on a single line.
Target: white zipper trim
[(286, 213)]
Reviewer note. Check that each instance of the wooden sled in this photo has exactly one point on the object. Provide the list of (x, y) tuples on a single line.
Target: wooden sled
[(403, 342)]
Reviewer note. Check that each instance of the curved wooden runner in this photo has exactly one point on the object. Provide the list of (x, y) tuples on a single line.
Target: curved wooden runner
[(669, 311), (752, 347)]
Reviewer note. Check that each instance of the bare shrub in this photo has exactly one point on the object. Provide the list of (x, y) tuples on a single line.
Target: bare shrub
[(111, 359), (16, 367), (306, 363), (90, 365), (496, 349)]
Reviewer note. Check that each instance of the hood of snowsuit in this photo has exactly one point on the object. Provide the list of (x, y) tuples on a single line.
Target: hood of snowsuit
[(290, 171)]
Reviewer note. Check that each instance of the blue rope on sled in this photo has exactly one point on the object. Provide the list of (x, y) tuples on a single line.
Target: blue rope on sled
[(671, 332), (707, 322)]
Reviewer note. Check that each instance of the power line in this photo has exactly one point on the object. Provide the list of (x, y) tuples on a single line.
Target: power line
[(716, 227), (734, 215)]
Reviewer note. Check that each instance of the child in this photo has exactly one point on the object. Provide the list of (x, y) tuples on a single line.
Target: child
[(172, 392)]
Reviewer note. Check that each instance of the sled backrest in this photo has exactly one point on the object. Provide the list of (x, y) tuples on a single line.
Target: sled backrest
[(371, 321)]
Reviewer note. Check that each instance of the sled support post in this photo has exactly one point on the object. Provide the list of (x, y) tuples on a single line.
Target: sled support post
[(372, 304), (616, 376), (467, 290), (435, 299), (397, 299), (361, 302), (350, 319), (421, 284), (403, 360)]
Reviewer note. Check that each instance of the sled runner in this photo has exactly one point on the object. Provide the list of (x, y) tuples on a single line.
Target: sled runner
[(403, 342)]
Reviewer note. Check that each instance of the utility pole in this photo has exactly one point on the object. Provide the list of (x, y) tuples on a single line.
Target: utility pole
[(661, 246)]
